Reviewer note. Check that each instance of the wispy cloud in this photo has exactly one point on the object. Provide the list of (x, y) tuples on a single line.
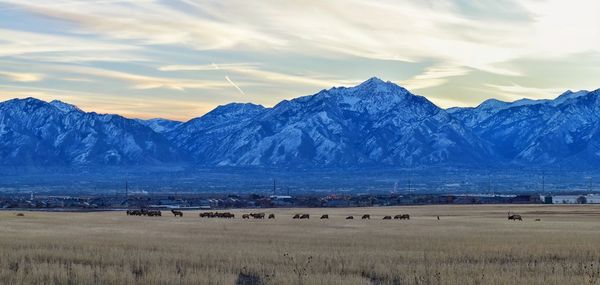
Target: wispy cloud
[(138, 81), (21, 76), (271, 50), (434, 76), (111, 104), (253, 71), (208, 67), (23, 43), (515, 91)]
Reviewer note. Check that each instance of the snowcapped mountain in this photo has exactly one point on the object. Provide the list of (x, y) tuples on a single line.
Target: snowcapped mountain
[(37, 133), (375, 123), (560, 131)]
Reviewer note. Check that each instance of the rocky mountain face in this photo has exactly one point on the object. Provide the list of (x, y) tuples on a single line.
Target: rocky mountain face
[(159, 125), (559, 131), (37, 133), (374, 124)]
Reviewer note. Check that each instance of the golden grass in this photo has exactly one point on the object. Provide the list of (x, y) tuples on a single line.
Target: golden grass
[(468, 245)]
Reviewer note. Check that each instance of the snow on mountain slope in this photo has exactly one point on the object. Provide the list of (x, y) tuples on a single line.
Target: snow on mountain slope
[(64, 107), (38, 133), (375, 123), (546, 132), (159, 125)]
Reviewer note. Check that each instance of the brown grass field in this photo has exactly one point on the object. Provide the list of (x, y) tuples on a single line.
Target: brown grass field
[(468, 245)]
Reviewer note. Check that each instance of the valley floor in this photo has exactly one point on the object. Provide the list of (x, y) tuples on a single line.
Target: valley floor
[(467, 245)]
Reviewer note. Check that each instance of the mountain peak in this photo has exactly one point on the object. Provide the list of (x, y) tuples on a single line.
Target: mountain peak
[(374, 80), (569, 95), (64, 107), (376, 85), (492, 104)]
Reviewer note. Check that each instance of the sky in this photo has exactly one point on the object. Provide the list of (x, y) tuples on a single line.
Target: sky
[(179, 59)]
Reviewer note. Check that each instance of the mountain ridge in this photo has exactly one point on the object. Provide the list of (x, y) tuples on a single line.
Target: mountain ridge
[(373, 124)]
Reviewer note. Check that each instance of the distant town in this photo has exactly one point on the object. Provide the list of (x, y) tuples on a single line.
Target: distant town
[(205, 202)]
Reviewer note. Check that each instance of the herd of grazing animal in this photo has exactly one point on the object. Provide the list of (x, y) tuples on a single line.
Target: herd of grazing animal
[(225, 215), (260, 216), (144, 212)]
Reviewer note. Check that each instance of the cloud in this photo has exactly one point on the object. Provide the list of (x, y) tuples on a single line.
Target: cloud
[(207, 67), (279, 49), (433, 76), (24, 44), (110, 104), (142, 81), (515, 91), (21, 76), (252, 71)]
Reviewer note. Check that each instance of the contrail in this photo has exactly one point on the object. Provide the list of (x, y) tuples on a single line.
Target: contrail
[(229, 80), (235, 85)]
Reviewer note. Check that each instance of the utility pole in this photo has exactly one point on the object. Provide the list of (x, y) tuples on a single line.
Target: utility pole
[(543, 182)]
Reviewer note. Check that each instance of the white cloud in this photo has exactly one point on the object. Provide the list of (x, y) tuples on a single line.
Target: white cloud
[(516, 92), (138, 81), (411, 31), (21, 43), (433, 76), (21, 76), (286, 46), (253, 71), (111, 104), (207, 67)]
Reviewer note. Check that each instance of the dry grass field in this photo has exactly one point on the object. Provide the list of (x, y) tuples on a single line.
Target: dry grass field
[(468, 245)]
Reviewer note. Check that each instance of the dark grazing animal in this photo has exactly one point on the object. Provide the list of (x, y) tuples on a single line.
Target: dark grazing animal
[(402, 217), (177, 213), (350, 218), (387, 217), (538, 220), (324, 217), (305, 216), (20, 215), (131, 212), (258, 215), (245, 216), (366, 217), (296, 216), (514, 217), (271, 216)]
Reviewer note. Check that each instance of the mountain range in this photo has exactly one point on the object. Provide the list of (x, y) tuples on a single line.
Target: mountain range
[(374, 124)]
